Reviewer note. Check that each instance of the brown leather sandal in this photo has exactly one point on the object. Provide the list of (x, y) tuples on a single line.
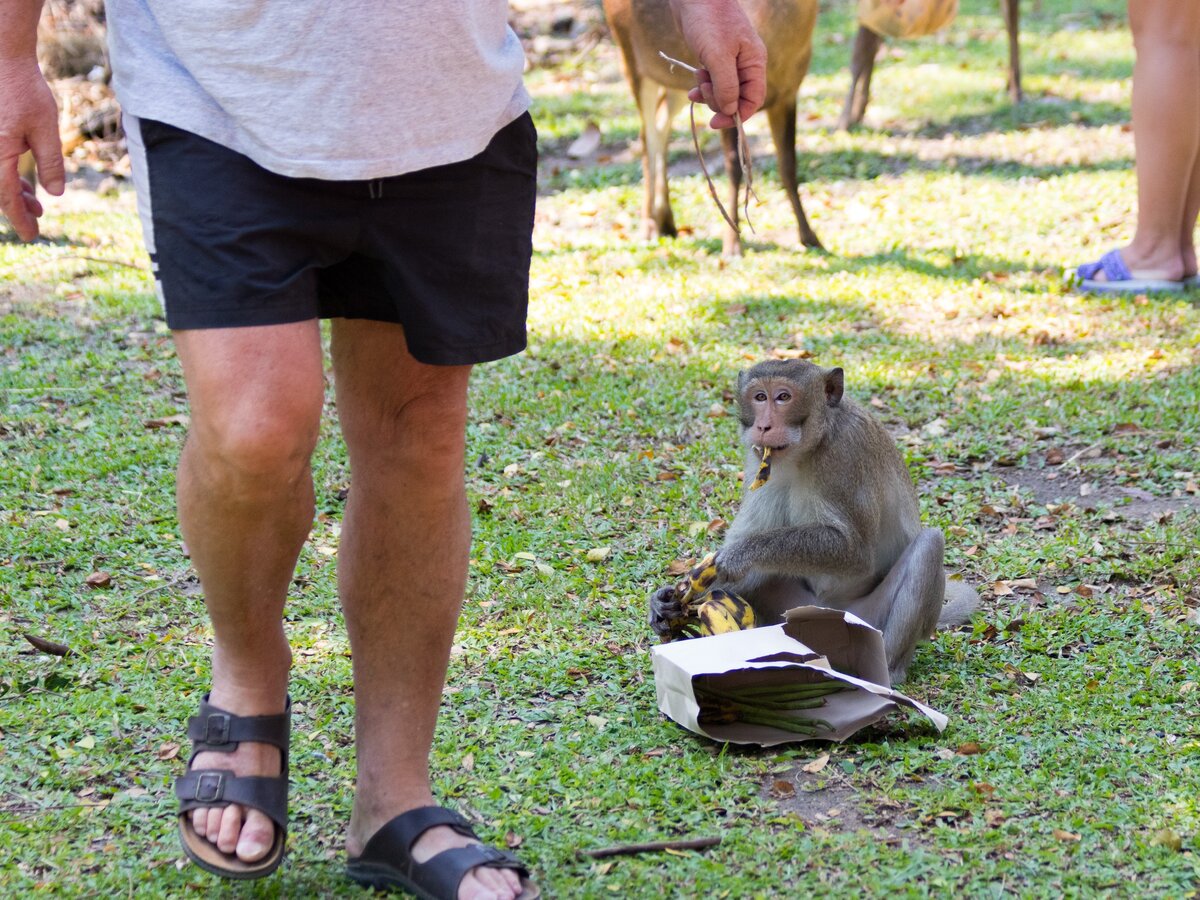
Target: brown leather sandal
[(219, 731), (387, 863)]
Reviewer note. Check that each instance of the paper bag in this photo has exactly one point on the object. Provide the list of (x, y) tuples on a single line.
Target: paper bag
[(814, 644)]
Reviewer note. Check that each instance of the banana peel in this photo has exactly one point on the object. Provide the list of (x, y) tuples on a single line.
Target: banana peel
[(764, 469)]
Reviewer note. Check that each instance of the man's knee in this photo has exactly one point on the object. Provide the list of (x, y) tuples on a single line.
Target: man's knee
[(257, 448)]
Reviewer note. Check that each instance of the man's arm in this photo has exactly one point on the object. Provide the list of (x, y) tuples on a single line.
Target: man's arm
[(28, 118), (733, 77)]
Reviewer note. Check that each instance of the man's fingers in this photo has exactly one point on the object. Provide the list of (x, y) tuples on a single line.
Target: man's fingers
[(14, 204), (47, 153), (723, 87)]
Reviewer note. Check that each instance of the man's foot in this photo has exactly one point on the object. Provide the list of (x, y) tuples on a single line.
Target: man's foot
[(402, 853), (241, 831), (233, 797)]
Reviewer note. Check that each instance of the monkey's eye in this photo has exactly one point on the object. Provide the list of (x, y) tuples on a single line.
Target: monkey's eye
[(760, 397), (783, 397)]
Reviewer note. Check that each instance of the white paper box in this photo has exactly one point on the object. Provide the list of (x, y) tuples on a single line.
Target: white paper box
[(813, 644)]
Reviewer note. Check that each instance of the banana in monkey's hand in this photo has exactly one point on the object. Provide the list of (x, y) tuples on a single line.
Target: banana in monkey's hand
[(721, 612), (707, 611)]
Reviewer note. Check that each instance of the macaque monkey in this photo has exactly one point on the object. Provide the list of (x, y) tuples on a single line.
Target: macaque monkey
[(829, 517)]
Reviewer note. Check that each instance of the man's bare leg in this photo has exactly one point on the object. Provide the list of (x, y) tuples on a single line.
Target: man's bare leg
[(245, 508), (402, 570)]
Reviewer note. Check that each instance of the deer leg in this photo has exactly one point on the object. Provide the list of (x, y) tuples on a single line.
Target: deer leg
[(862, 64), (1011, 10), (731, 242), (657, 106), (782, 117)]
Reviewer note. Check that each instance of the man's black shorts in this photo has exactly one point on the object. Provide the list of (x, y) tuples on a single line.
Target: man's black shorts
[(444, 251)]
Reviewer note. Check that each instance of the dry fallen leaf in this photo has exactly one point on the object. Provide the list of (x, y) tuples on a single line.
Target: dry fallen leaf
[(1065, 835), (598, 554), (587, 143), (783, 789), (167, 750), (1165, 837), (817, 764)]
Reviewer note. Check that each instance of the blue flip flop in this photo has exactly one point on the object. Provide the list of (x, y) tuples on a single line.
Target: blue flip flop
[(1118, 278)]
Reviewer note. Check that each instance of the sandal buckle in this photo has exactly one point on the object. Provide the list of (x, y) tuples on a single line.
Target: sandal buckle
[(216, 729), (210, 787)]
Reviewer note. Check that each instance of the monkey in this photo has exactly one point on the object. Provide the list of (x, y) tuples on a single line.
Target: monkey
[(835, 523)]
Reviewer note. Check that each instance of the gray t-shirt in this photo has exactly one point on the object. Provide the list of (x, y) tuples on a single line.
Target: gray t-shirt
[(336, 89)]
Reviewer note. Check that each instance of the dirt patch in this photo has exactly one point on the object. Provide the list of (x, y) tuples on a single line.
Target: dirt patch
[(1077, 488), (827, 800)]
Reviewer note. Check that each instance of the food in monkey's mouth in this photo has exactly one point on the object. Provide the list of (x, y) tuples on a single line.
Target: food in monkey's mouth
[(764, 468)]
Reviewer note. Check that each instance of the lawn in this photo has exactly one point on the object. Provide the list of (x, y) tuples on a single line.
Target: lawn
[(1052, 435)]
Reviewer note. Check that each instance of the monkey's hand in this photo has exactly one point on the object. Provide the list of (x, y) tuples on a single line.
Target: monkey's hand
[(668, 617), (734, 561)]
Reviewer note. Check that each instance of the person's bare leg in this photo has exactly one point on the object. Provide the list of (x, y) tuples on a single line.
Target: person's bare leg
[(245, 508), (1191, 208), (1166, 134), (402, 568)]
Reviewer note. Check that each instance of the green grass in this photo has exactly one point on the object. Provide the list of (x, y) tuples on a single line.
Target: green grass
[(950, 217)]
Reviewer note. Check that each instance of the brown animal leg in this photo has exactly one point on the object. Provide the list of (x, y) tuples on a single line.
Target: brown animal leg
[(731, 243), (908, 602), (862, 64), (782, 117), (1011, 10)]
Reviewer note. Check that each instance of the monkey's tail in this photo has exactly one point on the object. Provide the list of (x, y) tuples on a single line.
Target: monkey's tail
[(961, 603)]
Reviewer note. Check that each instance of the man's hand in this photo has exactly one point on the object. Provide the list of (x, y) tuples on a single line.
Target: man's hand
[(733, 74), (28, 121)]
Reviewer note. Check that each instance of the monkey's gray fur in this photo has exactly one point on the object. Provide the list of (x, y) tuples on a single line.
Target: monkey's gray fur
[(837, 522)]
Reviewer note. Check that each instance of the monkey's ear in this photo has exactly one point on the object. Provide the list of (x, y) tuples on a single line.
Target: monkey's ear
[(835, 386), (743, 377)]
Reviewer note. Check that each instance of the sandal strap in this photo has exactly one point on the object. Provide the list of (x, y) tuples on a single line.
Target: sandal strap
[(402, 832), (441, 875), (219, 731), (207, 788)]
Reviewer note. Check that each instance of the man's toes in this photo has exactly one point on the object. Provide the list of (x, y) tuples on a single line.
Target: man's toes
[(229, 829), (257, 837), (499, 883), (200, 820)]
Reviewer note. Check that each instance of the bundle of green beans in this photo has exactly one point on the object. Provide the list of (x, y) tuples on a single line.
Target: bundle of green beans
[(775, 705)]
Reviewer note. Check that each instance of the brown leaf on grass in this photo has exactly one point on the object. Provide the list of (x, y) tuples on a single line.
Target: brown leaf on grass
[(168, 421), (1055, 457), (98, 580), (816, 765), (587, 143), (1126, 428), (984, 789), (52, 647), (167, 750), (681, 566), (1165, 837), (513, 840), (1065, 836), (994, 818), (970, 748), (783, 789)]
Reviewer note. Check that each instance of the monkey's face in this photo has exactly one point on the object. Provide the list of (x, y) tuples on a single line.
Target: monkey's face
[(773, 413), (782, 404)]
